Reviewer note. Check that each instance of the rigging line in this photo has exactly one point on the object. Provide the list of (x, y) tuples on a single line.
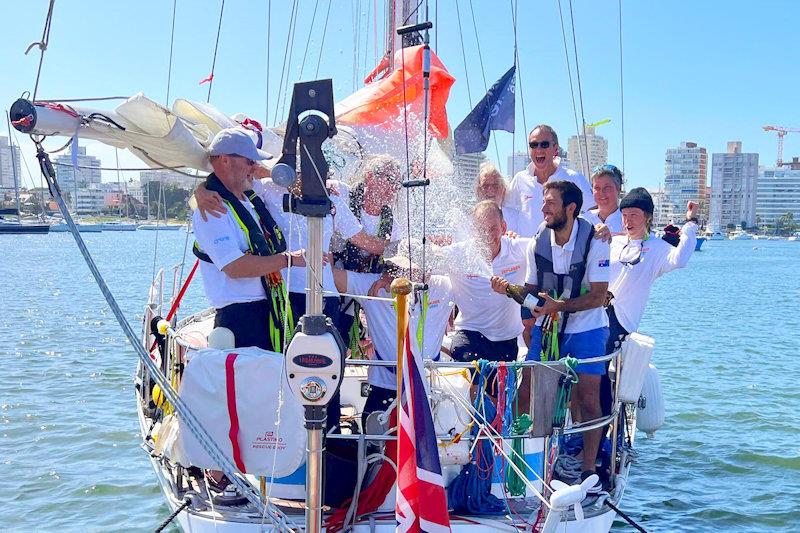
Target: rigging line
[(129, 169), (366, 38), (322, 41), (42, 46), (65, 100), (621, 86), (514, 9), (463, 54), (158, 220), (216, 46), (569, 74), (580, 92), (285, 92), (269, 33), (308, 39), (408, 159), (425, 121), (413, 12), (436, 25), (285, 54), (171, 48), (483, 71), (374, 31)]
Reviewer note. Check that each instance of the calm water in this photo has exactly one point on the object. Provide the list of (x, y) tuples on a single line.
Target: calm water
[(727, 347)]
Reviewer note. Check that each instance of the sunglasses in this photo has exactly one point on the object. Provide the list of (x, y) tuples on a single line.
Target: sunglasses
[(543, 144), (250, 162), (608, 168), (631, 254)]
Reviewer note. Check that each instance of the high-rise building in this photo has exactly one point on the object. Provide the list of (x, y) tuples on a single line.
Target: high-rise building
[(169, 177), (734, 176), (663, 210), (9, 164), (466, 172), (577, 147), (778, 193), (517, 162), (71, 178), (685, 173)]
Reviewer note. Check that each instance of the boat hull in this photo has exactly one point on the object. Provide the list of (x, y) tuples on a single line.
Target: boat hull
[(24, 229)]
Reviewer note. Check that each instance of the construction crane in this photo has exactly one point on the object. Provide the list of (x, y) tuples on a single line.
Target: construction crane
[(782, 131)]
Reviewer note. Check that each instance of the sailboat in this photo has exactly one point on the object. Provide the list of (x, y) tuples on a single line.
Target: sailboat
[(17, 226), (274, 492)]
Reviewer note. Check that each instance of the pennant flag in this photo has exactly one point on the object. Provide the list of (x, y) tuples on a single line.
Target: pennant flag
[(208, 79), (495, 111), (382, 102), (599, 123), (421, 503)]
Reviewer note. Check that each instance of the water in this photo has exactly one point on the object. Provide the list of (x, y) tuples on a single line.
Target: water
[(728, 458)]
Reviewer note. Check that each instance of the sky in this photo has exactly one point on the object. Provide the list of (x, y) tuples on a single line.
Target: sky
[(707, 72)]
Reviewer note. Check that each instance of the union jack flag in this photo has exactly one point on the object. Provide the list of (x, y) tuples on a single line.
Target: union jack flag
[(421, 503)]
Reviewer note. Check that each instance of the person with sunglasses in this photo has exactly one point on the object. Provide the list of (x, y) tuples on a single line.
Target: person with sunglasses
[(638, 258), (606, 188), (492, 186), (526, 189)]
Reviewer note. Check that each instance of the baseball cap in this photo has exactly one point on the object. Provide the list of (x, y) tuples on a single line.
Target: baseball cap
[(235, 141)]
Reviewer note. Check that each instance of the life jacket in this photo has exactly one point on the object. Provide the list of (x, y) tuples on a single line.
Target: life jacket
[(354, 258), (563, 285), (264, 238)]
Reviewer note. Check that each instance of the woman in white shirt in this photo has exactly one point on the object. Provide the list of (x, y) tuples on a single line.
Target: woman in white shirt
[(606, 187), (637, 258), (492, 186)]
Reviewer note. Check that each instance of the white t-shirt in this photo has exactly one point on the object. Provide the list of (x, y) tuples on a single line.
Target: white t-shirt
[(382, 322), (480, 308), (526, 193), (224, 241), (613, 221), (511, 216), (294, 231), (630, 284), (597, 270)]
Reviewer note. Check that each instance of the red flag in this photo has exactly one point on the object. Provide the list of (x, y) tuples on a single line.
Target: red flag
[(208, 79), (421, 503)]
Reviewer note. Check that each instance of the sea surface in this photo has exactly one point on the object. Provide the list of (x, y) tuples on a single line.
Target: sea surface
[(727, 333)]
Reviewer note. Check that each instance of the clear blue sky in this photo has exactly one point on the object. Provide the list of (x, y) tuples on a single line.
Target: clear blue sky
[(707, 71)]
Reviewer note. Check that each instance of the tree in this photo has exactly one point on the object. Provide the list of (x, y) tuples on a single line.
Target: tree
[(743, 224), (731, 226), (786, 224)]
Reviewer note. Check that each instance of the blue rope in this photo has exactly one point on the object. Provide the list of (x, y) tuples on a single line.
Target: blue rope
[(470, 491)]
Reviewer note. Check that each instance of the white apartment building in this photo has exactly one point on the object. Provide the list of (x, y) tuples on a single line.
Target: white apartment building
[(577, 147), (685, 177), (778, 193), (663, 210), (72, 179), (9, 164), (734, 176)]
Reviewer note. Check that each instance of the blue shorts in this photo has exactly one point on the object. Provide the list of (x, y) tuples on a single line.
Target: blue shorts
[(583, 345)]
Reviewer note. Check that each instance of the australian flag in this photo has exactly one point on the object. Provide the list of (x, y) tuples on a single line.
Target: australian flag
[(421, 503), (495, 111)]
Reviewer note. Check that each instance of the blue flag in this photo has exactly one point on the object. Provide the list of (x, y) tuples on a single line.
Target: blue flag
[(495, 111)]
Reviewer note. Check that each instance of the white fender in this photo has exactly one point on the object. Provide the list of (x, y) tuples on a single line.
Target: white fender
[(221, 339), (650, 410), (563, 496)]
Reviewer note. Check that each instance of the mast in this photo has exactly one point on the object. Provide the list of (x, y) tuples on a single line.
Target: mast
[(398, 14), (13, 166)]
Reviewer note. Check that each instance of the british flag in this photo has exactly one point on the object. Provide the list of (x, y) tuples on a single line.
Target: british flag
[(421, 503)]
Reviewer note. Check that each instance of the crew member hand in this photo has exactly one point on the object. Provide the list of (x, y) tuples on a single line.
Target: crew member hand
[(691, 210), (499, 285), (297, 258), (209, 202), (512, 234), (602, 232), (550, 306), (384, 282)]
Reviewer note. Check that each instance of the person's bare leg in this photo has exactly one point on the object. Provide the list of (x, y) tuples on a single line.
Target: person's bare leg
[(587, 395)]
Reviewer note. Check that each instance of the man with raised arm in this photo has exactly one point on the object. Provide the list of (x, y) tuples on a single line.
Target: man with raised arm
[(568, 272), (526, 191), (243, 250)]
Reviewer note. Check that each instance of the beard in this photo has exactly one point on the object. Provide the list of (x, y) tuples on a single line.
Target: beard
[(559, 221)]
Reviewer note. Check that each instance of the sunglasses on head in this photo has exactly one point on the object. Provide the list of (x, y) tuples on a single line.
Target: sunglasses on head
[(542, 144), (608, 168)]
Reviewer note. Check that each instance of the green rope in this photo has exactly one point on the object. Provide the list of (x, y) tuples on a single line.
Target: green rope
[(356, 351), (565, 392), (515, 485)]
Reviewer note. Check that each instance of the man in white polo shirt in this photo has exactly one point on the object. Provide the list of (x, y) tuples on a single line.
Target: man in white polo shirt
[(568, 270), (488, 324), (526, 189), (242, 251), (429, 314)]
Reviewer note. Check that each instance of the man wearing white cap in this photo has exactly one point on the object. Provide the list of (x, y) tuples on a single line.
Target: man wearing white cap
[(242, 251)]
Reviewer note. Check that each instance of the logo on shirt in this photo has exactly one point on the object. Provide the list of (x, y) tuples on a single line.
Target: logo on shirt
[(510, 270), (603, 263), (220, 240)]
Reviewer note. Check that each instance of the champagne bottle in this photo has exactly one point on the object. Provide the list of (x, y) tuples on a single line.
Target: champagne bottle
[(517, 293)]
